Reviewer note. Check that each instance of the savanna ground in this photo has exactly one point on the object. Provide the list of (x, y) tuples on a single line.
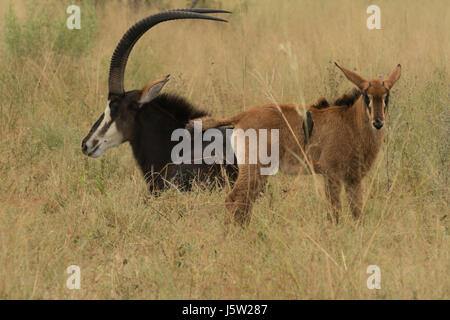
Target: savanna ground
[(59, 208)]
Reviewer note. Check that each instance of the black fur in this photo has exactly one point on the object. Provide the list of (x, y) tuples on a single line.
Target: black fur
[(346, 100), (152, 146), (176, 107), (308, 125), (386, 99), (321, 104)]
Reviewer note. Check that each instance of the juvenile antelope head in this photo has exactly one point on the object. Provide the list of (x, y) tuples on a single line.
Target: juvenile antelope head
[(115, 125), (375, 94)]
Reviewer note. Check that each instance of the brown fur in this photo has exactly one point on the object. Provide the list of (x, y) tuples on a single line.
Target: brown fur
[(343, 146)]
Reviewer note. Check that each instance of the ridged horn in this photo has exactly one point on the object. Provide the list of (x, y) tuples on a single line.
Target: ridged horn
[(203, 10), (129, 39)]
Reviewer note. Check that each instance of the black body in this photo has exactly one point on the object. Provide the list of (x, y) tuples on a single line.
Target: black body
[(152, 146)]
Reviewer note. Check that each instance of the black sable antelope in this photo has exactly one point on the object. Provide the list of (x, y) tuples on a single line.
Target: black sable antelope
[(147, 118)]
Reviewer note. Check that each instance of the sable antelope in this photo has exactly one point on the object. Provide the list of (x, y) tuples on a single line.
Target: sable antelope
[(147, 118), (339, 140)]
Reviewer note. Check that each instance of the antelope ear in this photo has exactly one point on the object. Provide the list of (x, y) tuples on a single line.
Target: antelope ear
[(393, 77), (152, 90), (354, 78)]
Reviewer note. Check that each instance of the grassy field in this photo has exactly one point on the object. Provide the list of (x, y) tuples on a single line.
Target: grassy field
[(59, 208)]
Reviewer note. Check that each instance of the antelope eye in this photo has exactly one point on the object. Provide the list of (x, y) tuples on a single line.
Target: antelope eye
[(386, 99)]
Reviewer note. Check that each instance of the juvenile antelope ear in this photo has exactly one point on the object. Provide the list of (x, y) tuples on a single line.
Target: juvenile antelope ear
[(152, 90), (393, 77), (354, 78)]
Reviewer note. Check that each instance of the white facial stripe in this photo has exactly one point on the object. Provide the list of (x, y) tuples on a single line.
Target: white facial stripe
[(111, 138), (106, 118), (368, 111)]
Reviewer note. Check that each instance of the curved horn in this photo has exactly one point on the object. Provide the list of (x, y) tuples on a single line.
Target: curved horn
[(123, 49), (203, 10)]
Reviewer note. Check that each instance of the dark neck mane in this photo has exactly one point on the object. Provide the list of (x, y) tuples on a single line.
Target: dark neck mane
[(155, 123), (176, 107), (346, 100)]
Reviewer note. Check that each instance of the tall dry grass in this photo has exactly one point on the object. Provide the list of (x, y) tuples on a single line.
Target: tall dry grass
[(59, 208)]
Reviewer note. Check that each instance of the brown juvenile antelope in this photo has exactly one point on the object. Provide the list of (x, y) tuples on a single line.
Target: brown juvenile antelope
[(339, 140)]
